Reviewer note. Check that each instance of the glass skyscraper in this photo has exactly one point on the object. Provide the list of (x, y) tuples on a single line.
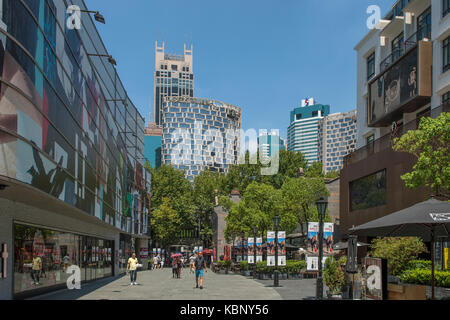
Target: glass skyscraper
[(303, 131), (337, 138), (174, 77), (200, 134)]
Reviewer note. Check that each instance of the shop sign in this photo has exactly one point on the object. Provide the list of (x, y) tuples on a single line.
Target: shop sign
[(375, 278)]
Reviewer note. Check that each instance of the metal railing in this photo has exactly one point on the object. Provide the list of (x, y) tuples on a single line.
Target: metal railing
[(385, 141), (396, 54)]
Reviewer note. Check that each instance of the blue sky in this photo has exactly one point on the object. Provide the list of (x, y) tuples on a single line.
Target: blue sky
[(263, 56)]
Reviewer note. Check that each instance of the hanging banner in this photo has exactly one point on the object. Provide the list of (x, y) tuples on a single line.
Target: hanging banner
[(159, 250), (270, 248), (313, 230), (154, 250), (328, 229), (281, 248), (251, 250), (259, 250)]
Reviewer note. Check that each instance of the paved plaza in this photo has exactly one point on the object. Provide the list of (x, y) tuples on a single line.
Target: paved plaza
[(159, 285)]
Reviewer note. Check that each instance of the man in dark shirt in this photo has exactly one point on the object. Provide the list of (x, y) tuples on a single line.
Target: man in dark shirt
[(200, 265)]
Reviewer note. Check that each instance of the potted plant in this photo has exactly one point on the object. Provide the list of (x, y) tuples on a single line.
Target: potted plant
[(227, 265), (244, 268), (334, 278)]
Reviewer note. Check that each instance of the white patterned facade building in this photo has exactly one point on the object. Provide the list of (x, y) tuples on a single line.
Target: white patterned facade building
[(200, 134)]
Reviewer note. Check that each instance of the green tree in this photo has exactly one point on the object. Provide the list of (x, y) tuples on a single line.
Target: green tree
[(430, 144), (257, 208), (398, 251), (166, 222), (299, 198)]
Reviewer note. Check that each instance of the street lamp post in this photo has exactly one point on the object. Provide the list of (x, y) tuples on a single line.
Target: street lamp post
[(255, 230), (242, 245), (321, 209), (276, 222)]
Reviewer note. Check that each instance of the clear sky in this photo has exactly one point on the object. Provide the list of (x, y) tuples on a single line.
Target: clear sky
[(263, 56)]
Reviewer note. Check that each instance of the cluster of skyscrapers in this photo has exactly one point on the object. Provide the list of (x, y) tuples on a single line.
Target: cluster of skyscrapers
[(321, 136), (191, 134)]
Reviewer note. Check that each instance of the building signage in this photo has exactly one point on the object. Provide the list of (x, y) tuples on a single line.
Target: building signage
[(4, 256), (375, 278), (143, 253), (440, 217)]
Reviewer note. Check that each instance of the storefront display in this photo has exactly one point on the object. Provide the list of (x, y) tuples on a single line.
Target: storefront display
[(57, 251)]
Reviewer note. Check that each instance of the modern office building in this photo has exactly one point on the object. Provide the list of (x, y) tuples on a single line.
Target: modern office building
[(303, 131), (174, 77), (73, 190), (153, 139), (403, 74), (337, 138), (200, 134), (270, 143)]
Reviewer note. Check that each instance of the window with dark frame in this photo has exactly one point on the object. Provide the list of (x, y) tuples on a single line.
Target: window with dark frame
[(370, 139), (446, 97), (397, 46), (370, 66), (445, 7), (446, 54)]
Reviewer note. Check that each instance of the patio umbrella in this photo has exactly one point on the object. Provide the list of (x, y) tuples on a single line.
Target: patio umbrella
[(176, 255), (427, 220), (344, 245)]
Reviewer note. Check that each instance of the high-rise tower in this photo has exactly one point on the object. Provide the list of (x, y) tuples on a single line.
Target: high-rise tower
[(174, 77)]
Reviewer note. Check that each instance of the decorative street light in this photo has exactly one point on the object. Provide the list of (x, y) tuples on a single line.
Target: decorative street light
[(321, 209), (255, 230), (276, 222), (97, 16), (242, 245), (110, 58)]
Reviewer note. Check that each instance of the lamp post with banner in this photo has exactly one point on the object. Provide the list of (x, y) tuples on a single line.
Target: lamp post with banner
[(255, 230), (276, 222), (321, 209), (242, 245)]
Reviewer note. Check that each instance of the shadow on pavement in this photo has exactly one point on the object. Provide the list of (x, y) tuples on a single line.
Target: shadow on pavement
[(86, 288)]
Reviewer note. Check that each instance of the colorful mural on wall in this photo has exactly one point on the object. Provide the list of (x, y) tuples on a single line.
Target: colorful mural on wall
[(57, 131)]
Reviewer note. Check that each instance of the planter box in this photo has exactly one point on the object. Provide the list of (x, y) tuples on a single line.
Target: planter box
[(406, 292)]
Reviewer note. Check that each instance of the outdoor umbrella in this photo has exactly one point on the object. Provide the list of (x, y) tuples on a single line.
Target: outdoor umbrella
[(427, 220), (176, 255), (344, 245)]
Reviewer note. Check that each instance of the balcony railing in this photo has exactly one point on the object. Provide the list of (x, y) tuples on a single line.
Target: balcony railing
[(385, 141), (422, 33)]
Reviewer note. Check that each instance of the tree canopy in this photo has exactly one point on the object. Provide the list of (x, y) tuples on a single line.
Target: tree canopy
[(430, 144)]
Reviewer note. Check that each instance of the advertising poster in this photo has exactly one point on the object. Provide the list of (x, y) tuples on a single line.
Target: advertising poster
[(251, 250), (328, 229), (270, 248), (313, 230), (271, 261), (195, 249), (143, 253), (259, 250), (312, 263), (281, 248), (159, 250)]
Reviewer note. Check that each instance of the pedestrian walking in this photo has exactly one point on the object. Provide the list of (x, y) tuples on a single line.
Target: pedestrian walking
[(191, 263), (174, 268), (36, 269), (200, 268), (132, 268), (155, 262), (179, 266)]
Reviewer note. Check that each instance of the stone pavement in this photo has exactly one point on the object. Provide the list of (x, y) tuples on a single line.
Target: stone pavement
[(159, 284)]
